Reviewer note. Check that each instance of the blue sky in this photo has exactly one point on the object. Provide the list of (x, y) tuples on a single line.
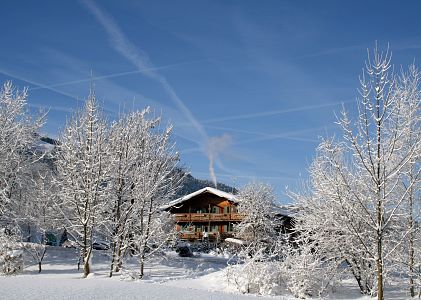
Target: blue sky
[(252, 85)]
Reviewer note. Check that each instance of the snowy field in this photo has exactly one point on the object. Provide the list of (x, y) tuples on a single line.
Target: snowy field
[(171, 277), (168, 279)]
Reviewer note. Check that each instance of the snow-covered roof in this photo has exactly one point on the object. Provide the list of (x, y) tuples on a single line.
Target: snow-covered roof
[(211, 190)]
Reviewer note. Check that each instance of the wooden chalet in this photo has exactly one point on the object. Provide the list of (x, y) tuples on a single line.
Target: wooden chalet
[(205, 214)]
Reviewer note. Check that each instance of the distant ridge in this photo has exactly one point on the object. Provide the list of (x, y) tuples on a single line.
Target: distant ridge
[(49, 140), (191, 184)]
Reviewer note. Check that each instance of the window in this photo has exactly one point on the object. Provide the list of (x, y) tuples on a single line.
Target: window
[(229, 227)]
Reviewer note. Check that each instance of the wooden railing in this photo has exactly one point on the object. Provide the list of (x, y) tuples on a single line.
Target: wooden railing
[(199, 235), (205, 217)]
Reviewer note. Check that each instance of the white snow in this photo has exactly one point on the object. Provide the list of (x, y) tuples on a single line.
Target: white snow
[(61, 280), (168, 277), (211, 190), (235, 241), (42, 287)]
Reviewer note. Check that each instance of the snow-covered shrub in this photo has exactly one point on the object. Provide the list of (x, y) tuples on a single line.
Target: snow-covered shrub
[(12, 262), (11, 259), (308, 273), (37, 252), (257, 259), (255, 277)]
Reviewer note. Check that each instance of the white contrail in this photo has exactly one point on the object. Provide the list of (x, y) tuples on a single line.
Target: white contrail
[(140, 59), (113, 75), (251, 176), (44, 86), (286, 135), (267, 136), (272, 112), (56, 108)]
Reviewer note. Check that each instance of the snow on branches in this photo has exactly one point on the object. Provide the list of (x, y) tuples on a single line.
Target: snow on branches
[(361, 201), (81, 176), (143, 177), (17, 136)]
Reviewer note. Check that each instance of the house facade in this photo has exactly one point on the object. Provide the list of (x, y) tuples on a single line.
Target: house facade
[(205, 214)]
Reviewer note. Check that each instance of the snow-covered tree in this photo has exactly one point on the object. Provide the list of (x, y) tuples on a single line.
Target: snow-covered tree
[(323, 220), (255, 271), (39, 211), (127, 140), (361, 184), (156, 183), (81, 176), (257, 228), (17, 136), (380, 160), (18, 158), (409, 93)]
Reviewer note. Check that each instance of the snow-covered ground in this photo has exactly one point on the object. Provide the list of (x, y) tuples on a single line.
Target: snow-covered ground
[(168, 277), (51, 287), (61, 280)]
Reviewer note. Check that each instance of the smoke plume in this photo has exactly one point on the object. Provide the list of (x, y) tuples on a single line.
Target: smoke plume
[(215, 146)]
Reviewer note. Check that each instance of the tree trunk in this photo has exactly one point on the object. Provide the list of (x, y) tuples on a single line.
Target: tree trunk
[(120, 253), (380, 200), (146, 238), (86, 264), (356, 272), (142, 265), (86, 252), (113, 259), (411, 241), (411, 265), (41, 259), (379, 271)]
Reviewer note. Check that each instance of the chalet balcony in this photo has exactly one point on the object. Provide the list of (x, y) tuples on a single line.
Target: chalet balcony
[(206, 217)]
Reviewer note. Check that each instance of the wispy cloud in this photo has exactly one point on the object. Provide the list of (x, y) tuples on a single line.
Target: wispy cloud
[(141, 60), (406, 44), (337, 50)]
